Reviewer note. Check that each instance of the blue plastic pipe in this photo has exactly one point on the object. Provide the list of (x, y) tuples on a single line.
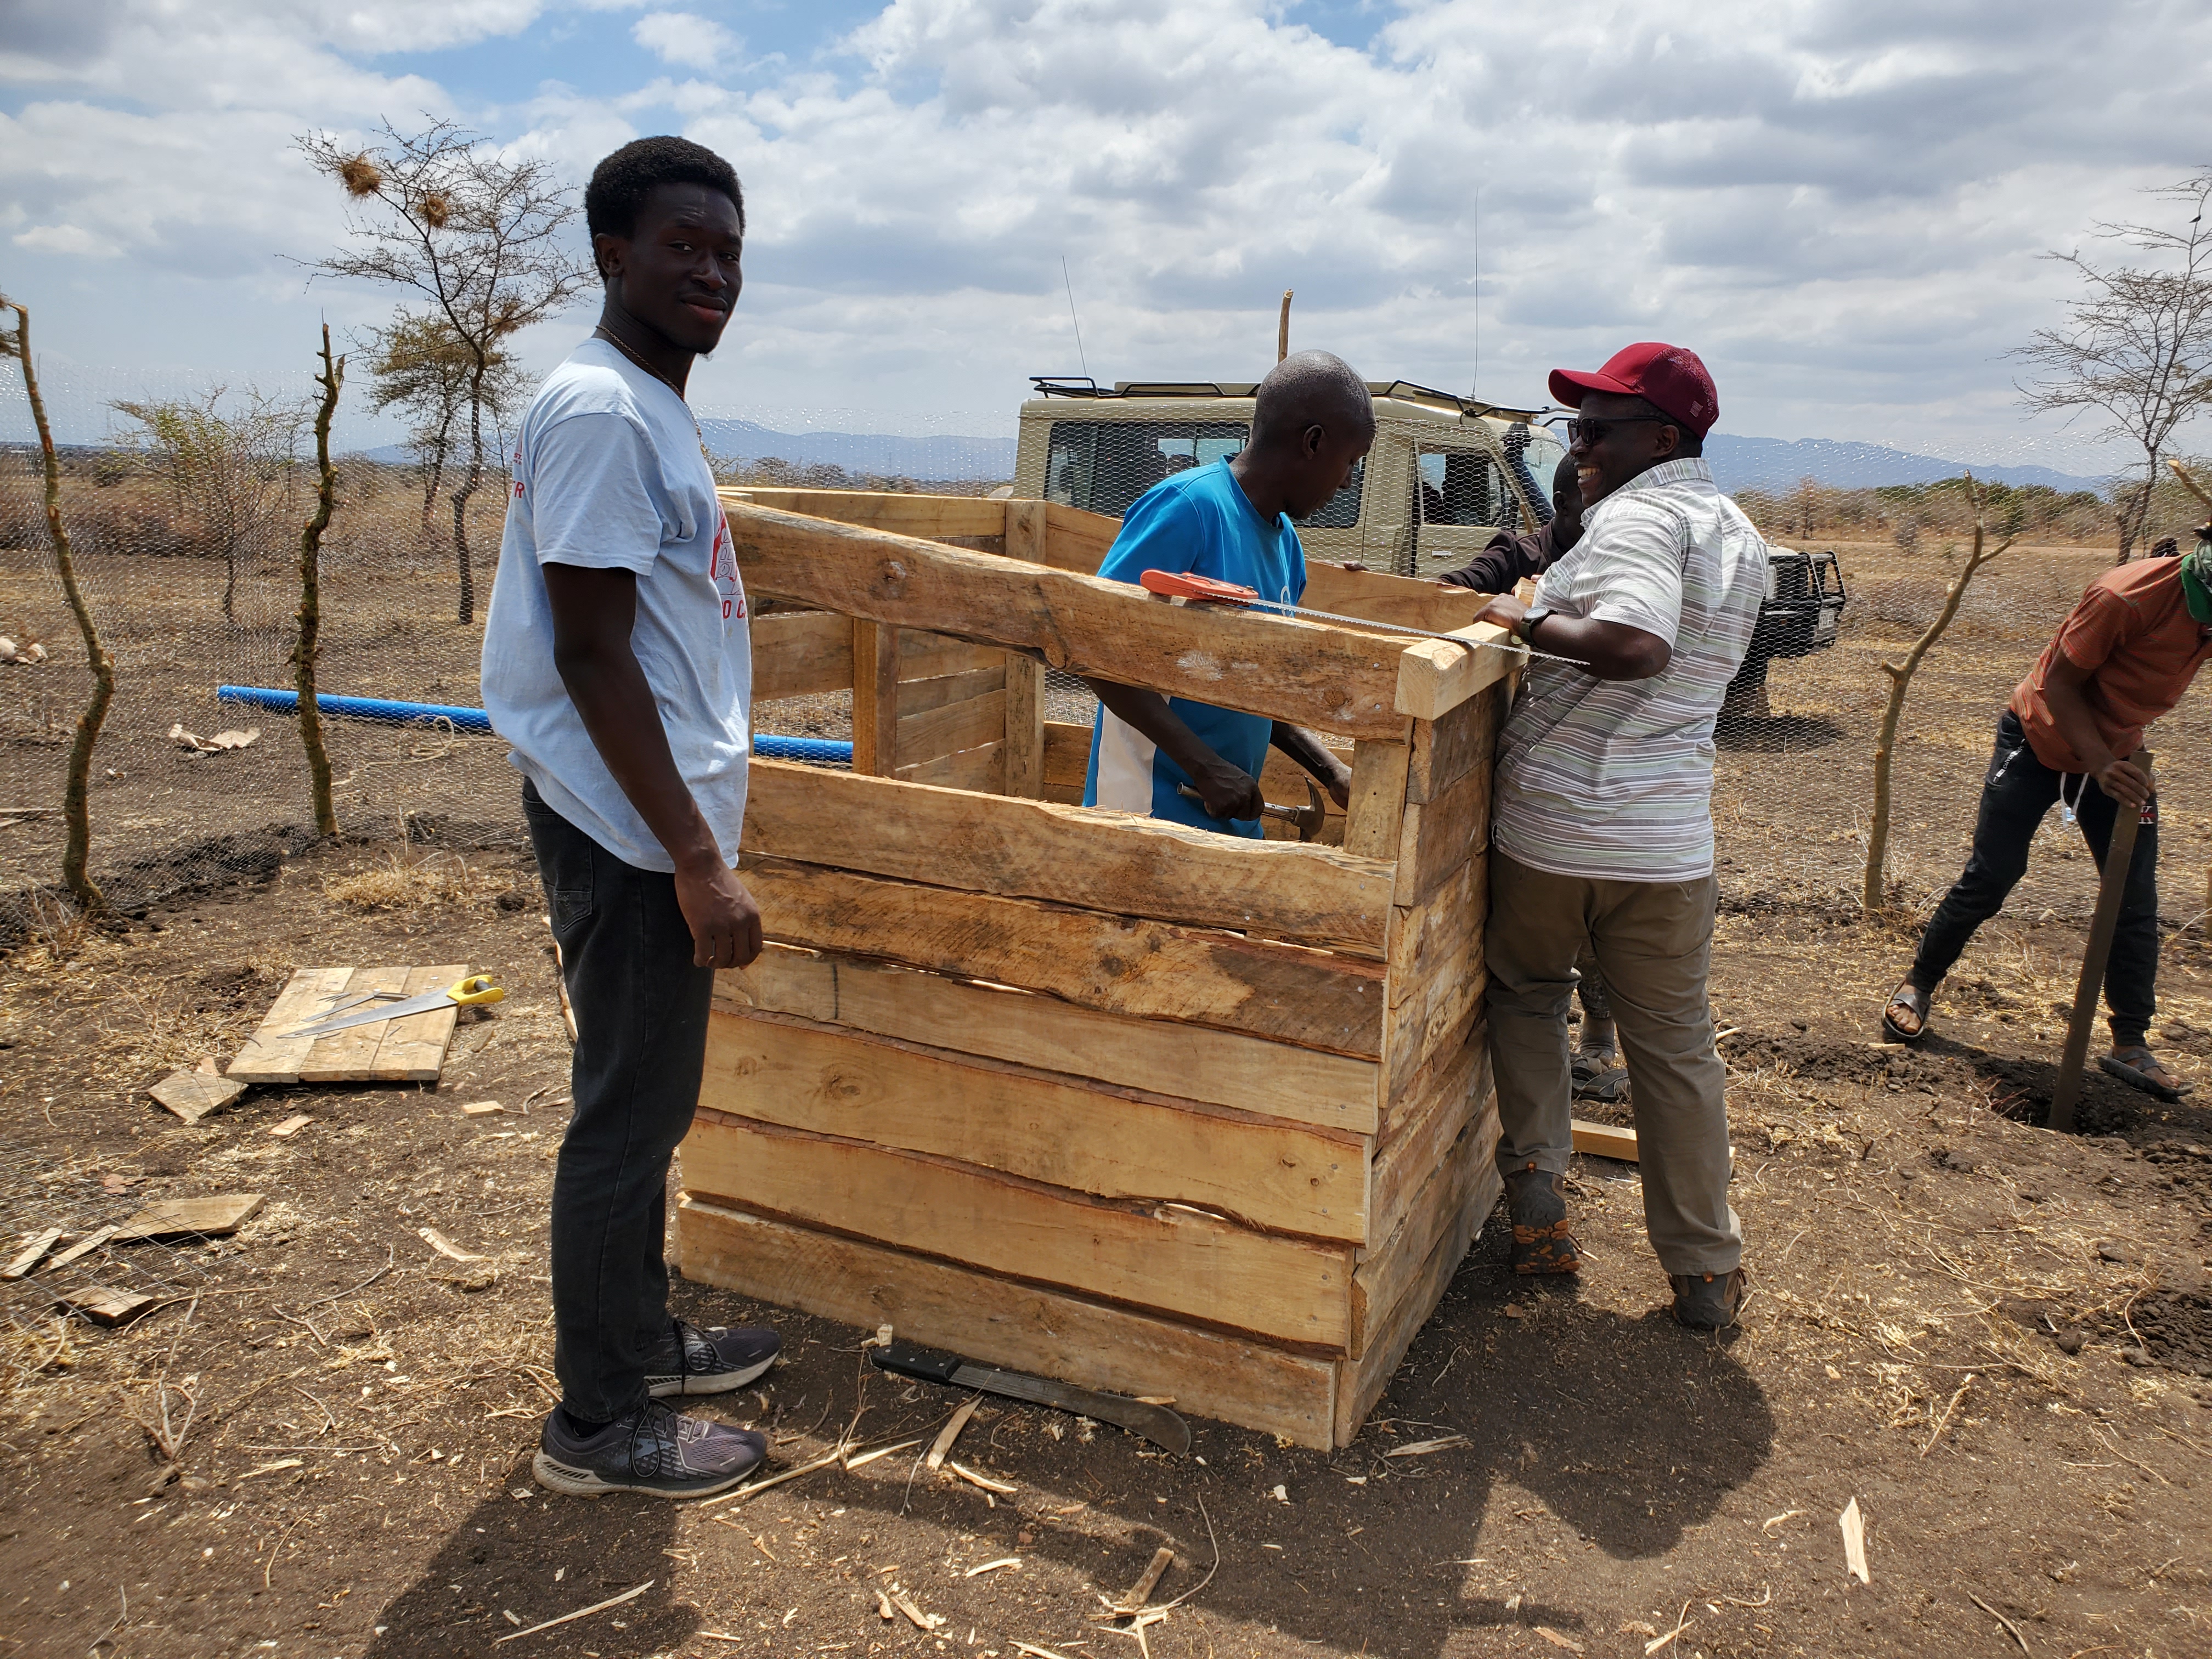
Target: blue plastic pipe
[(818, 752)]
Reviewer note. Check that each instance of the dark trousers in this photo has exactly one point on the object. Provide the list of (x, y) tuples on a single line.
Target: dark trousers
[(641, 1009), (2018, 790)]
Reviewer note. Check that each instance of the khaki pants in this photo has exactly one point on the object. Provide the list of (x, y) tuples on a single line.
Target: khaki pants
[(1653, 941)]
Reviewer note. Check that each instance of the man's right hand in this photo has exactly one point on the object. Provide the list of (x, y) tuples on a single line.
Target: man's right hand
[(2125, 783), (725, 922), (1228, 791)]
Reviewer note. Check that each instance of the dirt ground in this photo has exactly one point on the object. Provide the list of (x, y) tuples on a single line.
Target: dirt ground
[(1997, 1341)]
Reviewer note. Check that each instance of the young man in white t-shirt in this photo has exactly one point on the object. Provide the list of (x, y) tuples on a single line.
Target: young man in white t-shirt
[(617, 664)]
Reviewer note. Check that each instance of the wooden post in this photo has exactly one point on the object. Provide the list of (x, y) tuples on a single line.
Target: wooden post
[(1377, 811), (1026, 531), (2120, 854), (875, 698), (1282, 328)]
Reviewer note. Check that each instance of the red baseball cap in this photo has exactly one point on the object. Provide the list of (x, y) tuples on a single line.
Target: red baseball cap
[(1671, 379)]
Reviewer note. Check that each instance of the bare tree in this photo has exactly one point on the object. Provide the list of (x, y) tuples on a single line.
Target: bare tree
[(76, 809), (308, 647), (230, 467), (476, 236), (2137, 349), (423, 368)]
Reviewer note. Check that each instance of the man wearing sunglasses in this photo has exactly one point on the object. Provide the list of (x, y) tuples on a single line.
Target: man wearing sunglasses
[(1602, 835)]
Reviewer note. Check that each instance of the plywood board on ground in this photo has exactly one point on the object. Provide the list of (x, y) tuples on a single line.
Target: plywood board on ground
[(104, 1306), (998, 1322), (1162, 1257), (192, 1095), (186, 1217), (410, 1050), (1082, 856), (1115, 964), (1047, 1127), (1223, 1068)]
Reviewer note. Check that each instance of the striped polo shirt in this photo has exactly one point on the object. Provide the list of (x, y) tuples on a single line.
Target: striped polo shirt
[(1613, 779)]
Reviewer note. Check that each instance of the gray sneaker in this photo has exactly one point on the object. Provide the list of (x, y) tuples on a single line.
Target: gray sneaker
[(1709, 1302), (652, 1450), (708, 1359)]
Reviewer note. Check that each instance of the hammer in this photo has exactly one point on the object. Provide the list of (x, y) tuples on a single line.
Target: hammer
[(1306, 819)]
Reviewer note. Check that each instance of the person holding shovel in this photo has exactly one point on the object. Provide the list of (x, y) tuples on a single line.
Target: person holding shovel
[(2123, 658), (1312, 421), (618, 665)]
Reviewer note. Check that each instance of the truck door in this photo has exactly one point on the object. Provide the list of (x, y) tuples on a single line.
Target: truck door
[(1461, 499)]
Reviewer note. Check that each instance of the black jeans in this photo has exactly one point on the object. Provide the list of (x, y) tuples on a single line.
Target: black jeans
[(2018, 790), (641, 1009)]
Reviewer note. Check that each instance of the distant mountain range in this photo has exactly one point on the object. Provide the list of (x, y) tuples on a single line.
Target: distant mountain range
[(1769, 464)]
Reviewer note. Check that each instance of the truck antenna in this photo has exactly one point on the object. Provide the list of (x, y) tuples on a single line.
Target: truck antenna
[(1073, 318), (1475, 391)]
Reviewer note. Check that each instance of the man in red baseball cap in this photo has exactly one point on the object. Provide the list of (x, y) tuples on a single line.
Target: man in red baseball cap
[(1602, 836)]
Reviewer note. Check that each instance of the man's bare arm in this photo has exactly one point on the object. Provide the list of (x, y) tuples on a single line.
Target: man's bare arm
[(1610, 650), (2069, 712), (593, 613), (1226, 790), (1308, 750)]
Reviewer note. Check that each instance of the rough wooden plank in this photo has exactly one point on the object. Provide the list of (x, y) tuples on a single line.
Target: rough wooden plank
[(269, 1058), (1028, 531), (1077, 540), (1378, 799), (181, 1217), (27, 1257), (192, 1095), (1116, 964), (414, 1048), (1441, 1002), (351, 1054), (1454, 1085), (1361, 1383), (951, 727), (1434, 676), (1084, 856), (1024, 727), (801, 653), (1441, 935), (1446, 749), (1405, 600), (1163, 1258), (924, 655), (83, 1246), (999, 1322), (1223, 1068), (892, 510), (1605, 1139), (1324, 676), (875, 697), (919, 696), (1401, 1083), (982, 769), (1464, 1174), (104, 1306), (1066, 759), (1062, 1132), (1440, 835)]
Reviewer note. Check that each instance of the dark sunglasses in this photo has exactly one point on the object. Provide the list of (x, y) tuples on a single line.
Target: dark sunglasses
[(1590, 433)]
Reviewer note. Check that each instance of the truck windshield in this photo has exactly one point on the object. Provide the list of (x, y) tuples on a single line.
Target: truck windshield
[(1103, 467)]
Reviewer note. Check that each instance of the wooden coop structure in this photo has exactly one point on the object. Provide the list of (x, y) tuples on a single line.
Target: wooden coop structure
[(1147, 1108)]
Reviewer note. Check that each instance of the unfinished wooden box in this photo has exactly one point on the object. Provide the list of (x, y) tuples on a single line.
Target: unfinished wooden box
[(1145, 1108)]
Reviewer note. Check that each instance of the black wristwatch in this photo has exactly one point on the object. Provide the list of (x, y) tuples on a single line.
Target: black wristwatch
[(1526, 628)]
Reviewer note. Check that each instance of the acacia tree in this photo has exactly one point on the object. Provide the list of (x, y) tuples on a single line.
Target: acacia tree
[(477, 237), (423, 368), (230, 467), (2136, 346)]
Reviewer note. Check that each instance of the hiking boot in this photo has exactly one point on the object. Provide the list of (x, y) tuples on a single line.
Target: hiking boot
[(708, 1359), (1541, 1242), (652, 1450), (1708, 1301)]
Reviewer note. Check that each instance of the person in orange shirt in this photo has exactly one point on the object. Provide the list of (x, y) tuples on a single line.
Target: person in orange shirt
[(2124, 658)]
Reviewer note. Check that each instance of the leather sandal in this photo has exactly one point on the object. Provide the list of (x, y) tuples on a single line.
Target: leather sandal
[(2139, 1068), (1913, 1000)]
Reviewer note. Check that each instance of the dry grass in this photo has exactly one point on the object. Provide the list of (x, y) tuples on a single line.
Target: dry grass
[(410, 880)]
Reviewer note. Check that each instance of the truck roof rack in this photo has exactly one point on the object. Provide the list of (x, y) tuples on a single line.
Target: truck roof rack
[(1082, 385)]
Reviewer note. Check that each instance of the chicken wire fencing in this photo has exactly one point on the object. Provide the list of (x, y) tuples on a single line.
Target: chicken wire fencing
[(194, 583)]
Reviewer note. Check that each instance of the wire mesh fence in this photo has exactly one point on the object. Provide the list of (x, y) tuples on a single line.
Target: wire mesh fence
[(187, 611)]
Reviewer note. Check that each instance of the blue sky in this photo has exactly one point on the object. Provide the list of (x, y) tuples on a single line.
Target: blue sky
[(1840, 205)]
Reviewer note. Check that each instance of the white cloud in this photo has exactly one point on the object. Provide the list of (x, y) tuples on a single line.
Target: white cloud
[(687, 39), (1840, 205)]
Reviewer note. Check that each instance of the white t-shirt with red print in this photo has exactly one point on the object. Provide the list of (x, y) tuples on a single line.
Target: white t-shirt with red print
[(609, 474)]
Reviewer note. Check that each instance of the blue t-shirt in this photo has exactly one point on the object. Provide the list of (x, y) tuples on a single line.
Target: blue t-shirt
[(609, 474), (1199, 522)]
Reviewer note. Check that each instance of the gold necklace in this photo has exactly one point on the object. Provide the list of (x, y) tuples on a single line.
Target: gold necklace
[(603, 332)]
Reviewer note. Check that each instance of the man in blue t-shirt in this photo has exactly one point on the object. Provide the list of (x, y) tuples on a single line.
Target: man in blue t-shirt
[(1312, 421)]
